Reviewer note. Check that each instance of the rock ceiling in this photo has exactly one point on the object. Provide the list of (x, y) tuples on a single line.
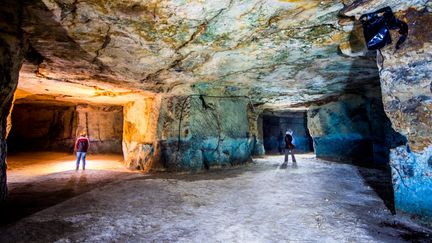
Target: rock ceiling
[(284, 52)]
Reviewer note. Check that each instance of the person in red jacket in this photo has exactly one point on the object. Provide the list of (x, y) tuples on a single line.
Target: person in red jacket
[(81, 146)]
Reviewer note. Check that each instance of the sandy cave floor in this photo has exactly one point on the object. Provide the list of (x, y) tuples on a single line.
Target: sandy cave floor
[(316, 201), (40, 180)]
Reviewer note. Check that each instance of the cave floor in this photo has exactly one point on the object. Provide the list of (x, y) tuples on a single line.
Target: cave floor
[(40, 180), (260, 202)]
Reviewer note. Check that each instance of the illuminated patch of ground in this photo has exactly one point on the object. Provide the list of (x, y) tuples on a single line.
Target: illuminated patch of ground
[(40, 180)]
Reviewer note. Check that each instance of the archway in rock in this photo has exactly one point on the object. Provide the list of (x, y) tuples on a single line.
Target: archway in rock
[(45, 127), (275, 124), (54, 126), (41, 145)]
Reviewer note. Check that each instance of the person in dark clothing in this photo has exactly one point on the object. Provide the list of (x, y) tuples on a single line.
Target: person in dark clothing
[(289, 146), (280, 141), (81, 146)]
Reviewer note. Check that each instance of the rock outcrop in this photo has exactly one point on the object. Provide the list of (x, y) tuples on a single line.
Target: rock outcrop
[(353, 129), (407, 96), (12, 50), (407, 90)]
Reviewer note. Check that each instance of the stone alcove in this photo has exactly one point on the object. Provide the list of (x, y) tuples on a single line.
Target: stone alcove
[(54, 126)]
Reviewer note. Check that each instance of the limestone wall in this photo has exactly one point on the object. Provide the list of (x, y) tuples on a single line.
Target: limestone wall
[(103, 125), (406, 82), (340, 130), (352, 129), (42, 127), (140, 133), (255, 120), (11, 56), (202, 132)]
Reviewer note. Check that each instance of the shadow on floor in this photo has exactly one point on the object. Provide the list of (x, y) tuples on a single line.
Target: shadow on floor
[(380, 180), (27, 198), (285, 165)]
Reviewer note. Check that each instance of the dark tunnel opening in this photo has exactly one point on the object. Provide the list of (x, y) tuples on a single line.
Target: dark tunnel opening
[(54, 126), (275, 125), (41, 163)]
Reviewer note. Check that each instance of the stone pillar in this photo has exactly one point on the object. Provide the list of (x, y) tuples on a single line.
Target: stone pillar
[(140, 119), (256, 130), (11, 57), (341, 130), (406, 81)]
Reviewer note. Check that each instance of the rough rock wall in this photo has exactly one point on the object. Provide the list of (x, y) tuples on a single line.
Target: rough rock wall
[(352, 129), (52, 128), (139, 133), (340, 130), (406, 82), (255, 121), (103, 125), (200, 132), (11, 57)]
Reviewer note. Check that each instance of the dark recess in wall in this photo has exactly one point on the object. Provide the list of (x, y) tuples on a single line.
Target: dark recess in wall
[(54, 126), (42, 127), (274, 124)]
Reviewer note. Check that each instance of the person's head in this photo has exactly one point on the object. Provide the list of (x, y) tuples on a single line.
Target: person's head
[(83, 134)]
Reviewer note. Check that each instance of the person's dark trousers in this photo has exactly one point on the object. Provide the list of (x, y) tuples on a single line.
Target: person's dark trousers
[(288, 151)]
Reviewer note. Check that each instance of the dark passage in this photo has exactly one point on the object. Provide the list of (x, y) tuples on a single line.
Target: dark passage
[(49, 126), (40, 160), (275, 125)]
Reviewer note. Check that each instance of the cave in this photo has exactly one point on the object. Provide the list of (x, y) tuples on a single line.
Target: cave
[(53, 127), (184, 103), (276, 124)]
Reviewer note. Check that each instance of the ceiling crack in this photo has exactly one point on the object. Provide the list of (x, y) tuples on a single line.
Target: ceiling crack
[(107, 40), (177, 61)]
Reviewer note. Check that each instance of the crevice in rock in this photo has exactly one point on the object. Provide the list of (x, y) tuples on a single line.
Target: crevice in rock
[(183, 106), (401, 178), (174, 64), (107, 40), (177, 61), (33, 56), (204, 104)]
